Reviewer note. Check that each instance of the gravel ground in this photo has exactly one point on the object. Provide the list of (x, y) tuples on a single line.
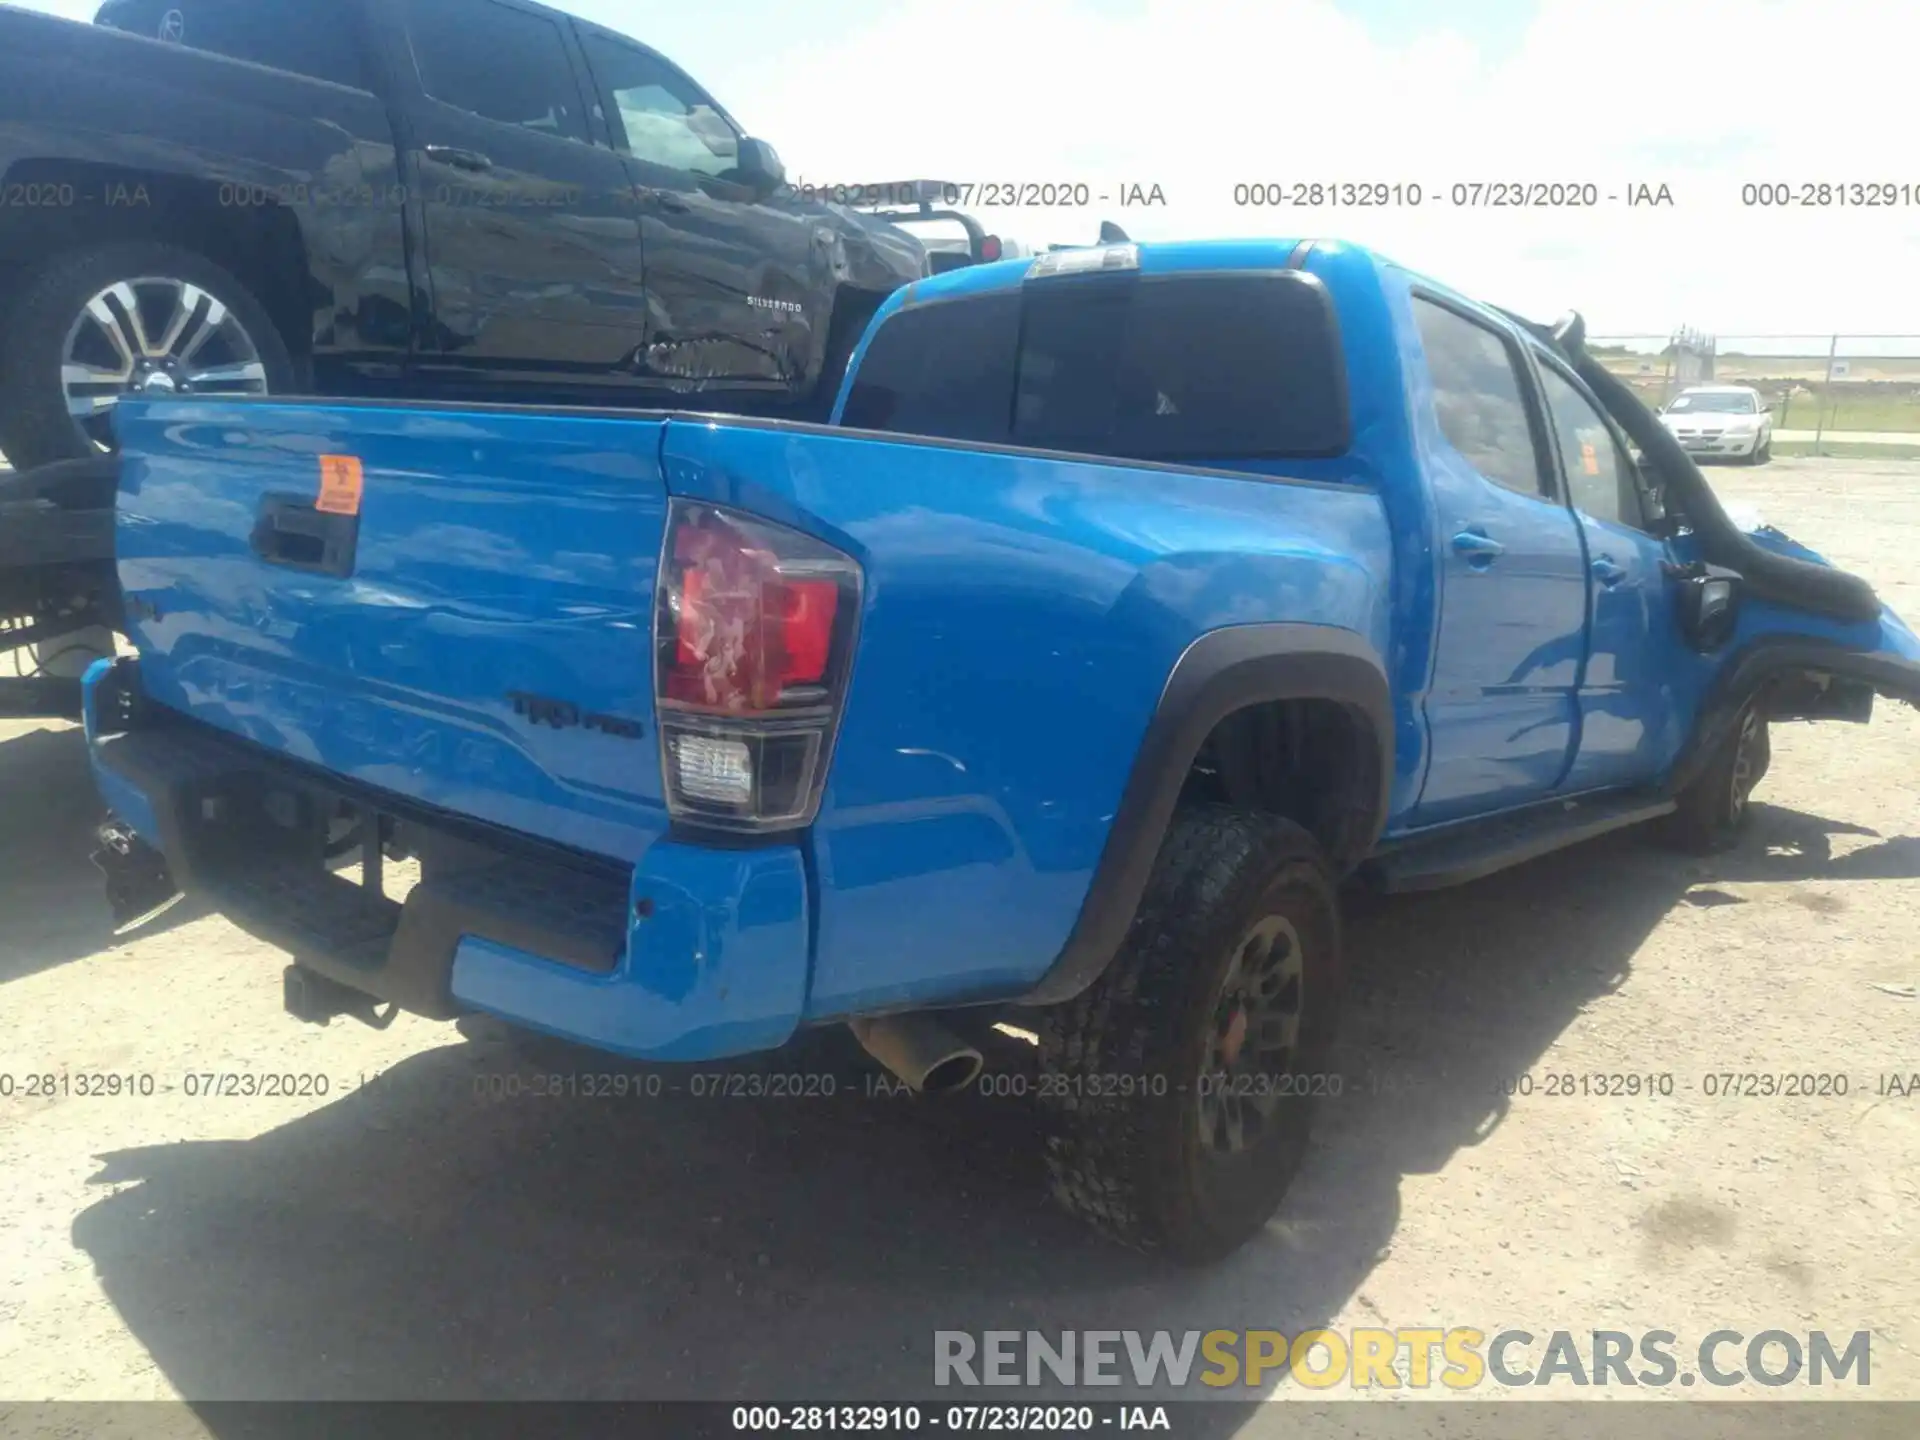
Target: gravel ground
[(400, 1238)]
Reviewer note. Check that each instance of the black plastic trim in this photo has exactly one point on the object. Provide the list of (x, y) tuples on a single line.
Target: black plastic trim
[(1472, 849), (414, 967), (1221, 672), (246, 754), (1743, 674), (287, 526), (441, 910)]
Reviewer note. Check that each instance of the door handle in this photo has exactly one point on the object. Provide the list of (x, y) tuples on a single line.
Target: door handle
[(1479, 547), (666, 200), (458, 158), (1608, 573), (291, 530)]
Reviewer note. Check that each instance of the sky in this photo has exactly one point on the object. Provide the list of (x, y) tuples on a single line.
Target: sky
[(1200, 96)]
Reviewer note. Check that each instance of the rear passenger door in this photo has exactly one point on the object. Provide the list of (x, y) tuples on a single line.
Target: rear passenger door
[(1513, 605), (532, 241)]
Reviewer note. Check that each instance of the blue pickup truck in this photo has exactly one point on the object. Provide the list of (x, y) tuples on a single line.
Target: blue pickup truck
[(1135, 599)]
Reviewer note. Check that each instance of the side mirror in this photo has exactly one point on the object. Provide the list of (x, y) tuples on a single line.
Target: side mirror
[(759, 165), (1653, 505), (1707, 605)]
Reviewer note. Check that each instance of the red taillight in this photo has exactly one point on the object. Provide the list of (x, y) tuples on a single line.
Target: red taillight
[(746, 635), (754, 629), (807, 609), (990, 248)]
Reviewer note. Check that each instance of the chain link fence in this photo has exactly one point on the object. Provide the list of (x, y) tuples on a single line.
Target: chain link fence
[(1852, 395)]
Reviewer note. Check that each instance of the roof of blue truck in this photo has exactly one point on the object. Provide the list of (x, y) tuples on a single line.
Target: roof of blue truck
[(1155, 257)]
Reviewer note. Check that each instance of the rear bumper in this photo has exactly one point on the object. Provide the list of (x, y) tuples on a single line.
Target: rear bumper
[(692, 954)]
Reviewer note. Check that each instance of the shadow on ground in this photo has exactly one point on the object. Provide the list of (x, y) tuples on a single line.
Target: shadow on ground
[(417, 1239), (53, 904)]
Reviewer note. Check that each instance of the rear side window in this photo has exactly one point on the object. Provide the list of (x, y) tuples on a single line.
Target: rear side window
[(944, 370), (497, 62), (1186, 367), (1477, 398), (308, 37), (1182, 368)]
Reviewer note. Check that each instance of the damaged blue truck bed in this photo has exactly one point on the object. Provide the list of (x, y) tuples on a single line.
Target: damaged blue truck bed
[(1136, 599)]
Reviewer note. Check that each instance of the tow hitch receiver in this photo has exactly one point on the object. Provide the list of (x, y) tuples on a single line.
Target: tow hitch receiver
[(139, 887), (317, 998)]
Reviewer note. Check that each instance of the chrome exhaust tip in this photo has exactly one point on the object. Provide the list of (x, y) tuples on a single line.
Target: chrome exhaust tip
[(930, 1058)]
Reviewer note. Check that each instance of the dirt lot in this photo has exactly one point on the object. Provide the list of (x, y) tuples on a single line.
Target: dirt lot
[(401, 1238)]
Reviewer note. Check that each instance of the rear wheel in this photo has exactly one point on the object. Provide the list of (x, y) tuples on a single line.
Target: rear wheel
[(1178, 1088), (136, 317)]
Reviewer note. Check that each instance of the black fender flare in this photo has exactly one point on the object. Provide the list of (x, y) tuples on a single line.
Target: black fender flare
[(1222, 671), (1746, 673)]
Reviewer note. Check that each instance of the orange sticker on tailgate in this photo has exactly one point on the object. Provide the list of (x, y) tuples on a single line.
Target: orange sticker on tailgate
[(341, 481)]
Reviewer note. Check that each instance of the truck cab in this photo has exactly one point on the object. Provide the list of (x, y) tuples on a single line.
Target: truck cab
[(1537, 649)]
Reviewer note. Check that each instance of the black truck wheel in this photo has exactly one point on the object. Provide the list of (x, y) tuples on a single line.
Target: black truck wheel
[(1714, 806), (1178, 1088), (127, 318)]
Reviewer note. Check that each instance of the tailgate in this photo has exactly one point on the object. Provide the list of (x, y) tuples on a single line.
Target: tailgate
[(452, 605)]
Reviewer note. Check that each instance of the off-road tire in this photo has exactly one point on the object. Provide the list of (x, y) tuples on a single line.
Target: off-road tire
[(35, 428), (1132, 1161), (1715, 807)]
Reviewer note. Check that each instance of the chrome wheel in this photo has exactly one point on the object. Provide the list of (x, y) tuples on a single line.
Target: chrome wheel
[(153, 335), (1244, 1074)]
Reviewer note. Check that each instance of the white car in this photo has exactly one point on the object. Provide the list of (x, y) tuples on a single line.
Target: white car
[(1721, 420)]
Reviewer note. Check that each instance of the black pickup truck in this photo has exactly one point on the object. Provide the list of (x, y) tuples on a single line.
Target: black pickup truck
[(467, 199)]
